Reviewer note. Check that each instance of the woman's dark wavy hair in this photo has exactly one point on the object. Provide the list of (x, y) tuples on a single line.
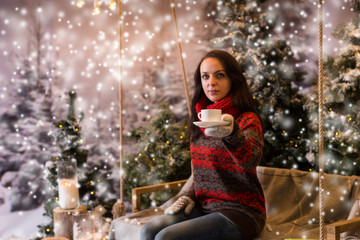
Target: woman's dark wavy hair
[(241, 95)]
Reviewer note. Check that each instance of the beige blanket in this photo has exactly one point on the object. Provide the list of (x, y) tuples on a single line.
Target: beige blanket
[(292, 204)]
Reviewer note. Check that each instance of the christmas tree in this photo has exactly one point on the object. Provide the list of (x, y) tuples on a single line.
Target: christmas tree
[(341, 103), (268, 66), (26, 121), (162, 155), (94, 178)]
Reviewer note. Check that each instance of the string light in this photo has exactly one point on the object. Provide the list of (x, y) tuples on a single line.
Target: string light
[(112, 5), (80, 3), (96, 10)]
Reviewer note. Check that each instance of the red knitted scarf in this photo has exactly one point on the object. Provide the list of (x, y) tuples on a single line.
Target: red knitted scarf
[(226, 105)]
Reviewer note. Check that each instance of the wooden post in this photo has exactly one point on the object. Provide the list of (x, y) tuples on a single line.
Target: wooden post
[(63, 224)]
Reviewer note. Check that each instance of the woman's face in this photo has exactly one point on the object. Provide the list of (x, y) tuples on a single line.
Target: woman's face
[(215, 83)]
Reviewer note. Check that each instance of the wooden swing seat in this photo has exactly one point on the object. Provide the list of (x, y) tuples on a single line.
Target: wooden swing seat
[(291, 204), (137, 192), (335, 229)]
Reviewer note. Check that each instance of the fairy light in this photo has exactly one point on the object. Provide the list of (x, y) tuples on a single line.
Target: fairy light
[(80, 3), (112, 5), (96, 10)]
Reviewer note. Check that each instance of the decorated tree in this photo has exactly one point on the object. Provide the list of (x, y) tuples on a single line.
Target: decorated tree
[(162, 155), (268, 66), (94, 178), (341, 103)]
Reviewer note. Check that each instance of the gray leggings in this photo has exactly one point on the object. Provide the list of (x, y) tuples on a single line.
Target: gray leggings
[(196, 226)]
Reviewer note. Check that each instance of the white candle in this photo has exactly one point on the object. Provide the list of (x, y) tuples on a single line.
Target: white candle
[(68, 194)]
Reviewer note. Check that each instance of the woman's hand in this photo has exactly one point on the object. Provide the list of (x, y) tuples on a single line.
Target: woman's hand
[(221, 131), (180, 204)]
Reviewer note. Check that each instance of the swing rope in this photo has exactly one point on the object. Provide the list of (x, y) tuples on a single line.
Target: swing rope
[(118, 209), (321, 119), (172, 5), (181, 56)]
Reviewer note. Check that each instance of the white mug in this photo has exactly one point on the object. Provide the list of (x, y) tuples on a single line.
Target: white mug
[(210, 115)]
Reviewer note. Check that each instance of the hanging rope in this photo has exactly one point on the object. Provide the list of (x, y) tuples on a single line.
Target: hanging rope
[(119, 207), (321, 119), (172, 5), (181, 56)]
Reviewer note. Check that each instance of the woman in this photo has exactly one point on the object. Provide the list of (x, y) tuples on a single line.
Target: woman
[(226, 200)]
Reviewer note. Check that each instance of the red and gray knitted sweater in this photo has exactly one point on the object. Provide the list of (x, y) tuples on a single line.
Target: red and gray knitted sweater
[(224, 169)]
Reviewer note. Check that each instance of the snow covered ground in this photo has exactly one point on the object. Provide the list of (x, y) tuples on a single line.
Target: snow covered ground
[(19, 225)]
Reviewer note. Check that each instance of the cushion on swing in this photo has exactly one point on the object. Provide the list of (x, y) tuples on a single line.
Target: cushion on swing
[(291, 202)]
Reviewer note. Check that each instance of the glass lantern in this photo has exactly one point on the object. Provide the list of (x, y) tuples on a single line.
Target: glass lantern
[(82, 226), (68, 184)]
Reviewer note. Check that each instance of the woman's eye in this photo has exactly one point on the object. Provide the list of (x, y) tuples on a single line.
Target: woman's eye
[(205, 76), (220, 75)]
